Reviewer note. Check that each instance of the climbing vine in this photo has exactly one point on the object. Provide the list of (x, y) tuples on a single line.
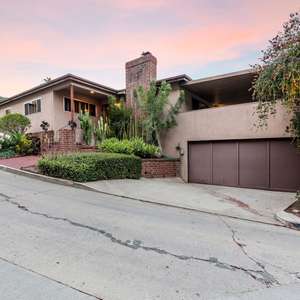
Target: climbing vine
[(278, 77)]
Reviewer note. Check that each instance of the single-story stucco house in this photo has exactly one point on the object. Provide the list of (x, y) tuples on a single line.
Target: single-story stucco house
[(215, 138)]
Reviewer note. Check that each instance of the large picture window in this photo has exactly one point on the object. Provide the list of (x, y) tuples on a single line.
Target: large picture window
[(33, 107), (80, 106)]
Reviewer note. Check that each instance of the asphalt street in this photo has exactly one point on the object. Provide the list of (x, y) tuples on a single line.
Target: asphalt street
[(59, 243)]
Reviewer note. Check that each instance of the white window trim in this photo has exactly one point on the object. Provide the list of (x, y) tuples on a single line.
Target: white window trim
[(79, 100)]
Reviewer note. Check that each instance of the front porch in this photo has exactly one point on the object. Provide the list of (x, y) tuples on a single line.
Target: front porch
[(71, 100)]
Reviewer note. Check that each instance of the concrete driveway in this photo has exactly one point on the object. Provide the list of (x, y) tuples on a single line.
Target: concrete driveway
[(60, 243), (249, 204)]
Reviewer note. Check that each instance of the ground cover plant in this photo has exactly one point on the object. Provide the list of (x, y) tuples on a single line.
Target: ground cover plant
[(135, 146)]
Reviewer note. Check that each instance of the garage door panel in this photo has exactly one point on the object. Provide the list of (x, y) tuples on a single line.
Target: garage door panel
[(284, 166), (267, 164), (225, 163), (200, 156), (254, 164)]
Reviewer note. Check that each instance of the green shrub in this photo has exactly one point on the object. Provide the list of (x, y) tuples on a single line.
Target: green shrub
[(7, 153), (134, 146), (22, 143), (16, 142), (119, 118), (35, 144), (101, 130), (15, 122), (84, 167), (6, 143), (87, 127)]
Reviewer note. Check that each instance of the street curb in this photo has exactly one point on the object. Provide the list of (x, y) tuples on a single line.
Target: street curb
[(288, 218), (43, 177), (82, 186), (192, 209)]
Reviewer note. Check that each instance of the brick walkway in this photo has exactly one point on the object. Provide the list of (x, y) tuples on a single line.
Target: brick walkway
[(18, 162)]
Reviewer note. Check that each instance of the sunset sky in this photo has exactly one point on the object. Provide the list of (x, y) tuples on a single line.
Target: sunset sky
[(94, 38)]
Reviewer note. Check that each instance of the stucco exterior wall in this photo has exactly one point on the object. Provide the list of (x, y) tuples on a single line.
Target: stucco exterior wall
[(46, 114), (52, 110), (223, 123)]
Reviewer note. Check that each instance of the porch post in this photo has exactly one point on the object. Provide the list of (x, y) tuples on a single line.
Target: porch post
[(72, 101)]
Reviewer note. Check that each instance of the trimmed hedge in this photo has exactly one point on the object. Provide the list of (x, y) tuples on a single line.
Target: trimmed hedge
[(84, 167), (135, 146)]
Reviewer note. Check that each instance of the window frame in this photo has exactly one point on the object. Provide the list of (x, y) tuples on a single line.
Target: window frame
[(33, 102), (86, 104)]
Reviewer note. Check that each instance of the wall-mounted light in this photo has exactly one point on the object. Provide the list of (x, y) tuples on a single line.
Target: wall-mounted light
[(92, 92)]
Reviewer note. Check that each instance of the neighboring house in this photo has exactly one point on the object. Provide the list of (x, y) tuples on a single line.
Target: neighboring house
[(215, 137)]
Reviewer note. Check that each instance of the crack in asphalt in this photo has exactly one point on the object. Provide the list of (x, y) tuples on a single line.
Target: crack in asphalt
[(267, 278), (262, 276)]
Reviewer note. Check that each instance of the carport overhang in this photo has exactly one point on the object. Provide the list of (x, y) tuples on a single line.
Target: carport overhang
[(230, 87)]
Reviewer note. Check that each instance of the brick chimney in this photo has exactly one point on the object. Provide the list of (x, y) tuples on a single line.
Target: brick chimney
[(139, 72)]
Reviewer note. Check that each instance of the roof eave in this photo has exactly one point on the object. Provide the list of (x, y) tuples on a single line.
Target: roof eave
[(220, 77), (57, 81)]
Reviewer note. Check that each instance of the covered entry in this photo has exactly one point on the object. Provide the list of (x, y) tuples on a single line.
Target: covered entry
[(266, 164)]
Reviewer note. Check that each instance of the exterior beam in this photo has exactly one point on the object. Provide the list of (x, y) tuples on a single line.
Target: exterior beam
[(72, 101)]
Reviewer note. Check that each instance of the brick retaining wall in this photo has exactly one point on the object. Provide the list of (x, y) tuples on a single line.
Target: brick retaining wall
[(159, 168), (65, 143)]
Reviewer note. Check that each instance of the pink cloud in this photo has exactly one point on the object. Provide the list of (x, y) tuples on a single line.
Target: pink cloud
[(101, 35)]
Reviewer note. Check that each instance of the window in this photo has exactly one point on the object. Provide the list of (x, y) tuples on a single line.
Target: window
[(84, 107), (80, 107), (92, 110), (67, 104), (33, 107), (7, 111)]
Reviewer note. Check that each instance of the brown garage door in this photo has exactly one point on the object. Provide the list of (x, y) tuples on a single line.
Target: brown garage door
[(267, 164)]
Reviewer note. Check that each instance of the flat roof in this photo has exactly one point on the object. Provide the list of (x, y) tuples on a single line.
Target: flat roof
[(226, 86), (222, 76), (177, 78)]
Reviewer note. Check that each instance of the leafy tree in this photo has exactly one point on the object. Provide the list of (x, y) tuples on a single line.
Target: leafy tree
[(13, 123), (86, 126), (278, 77), (157, 113)]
